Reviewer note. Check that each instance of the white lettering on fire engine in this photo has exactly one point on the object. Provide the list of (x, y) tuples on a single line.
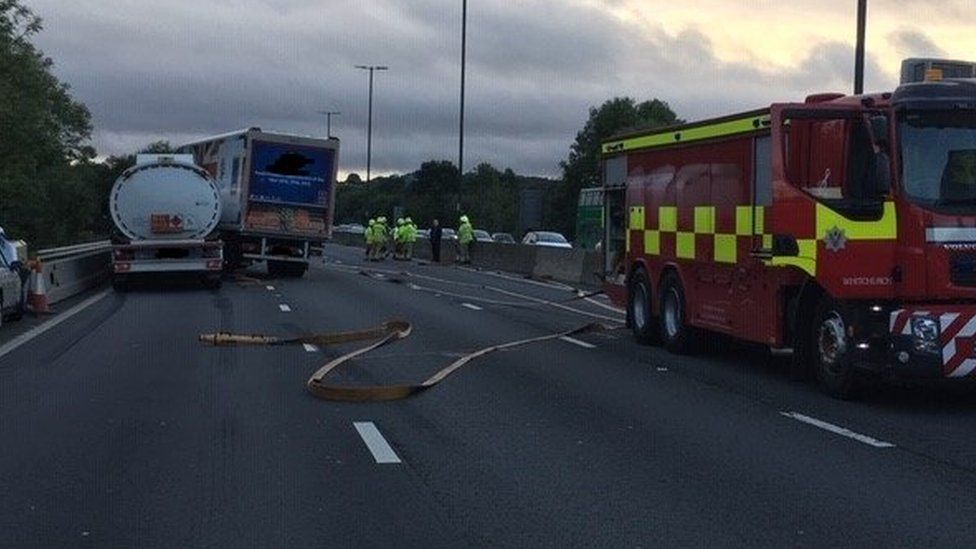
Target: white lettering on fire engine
[(867, 281)]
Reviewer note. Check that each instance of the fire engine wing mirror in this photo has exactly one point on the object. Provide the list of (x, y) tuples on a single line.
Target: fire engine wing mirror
[(784, 245), (879, 130)]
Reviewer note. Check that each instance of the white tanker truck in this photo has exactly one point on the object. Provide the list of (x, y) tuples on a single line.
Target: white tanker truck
[(166, 210)]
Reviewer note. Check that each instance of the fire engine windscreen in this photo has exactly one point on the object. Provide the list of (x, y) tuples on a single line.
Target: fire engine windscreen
[(291, 174), (939, 156)]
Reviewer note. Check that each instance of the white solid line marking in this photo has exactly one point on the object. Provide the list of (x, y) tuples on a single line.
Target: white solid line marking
[(309, 348), (270, 288), (378, 446), (575, 341), (838, 430), (472, 307), (38, 330), (284, 308)]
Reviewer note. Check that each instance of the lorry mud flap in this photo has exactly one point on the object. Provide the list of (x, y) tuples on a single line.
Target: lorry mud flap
[(379, 336)]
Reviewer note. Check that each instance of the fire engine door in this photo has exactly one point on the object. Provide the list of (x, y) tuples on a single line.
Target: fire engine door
[(832, 216)]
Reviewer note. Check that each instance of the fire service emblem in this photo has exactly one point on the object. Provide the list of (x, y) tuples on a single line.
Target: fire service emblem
[(835, 240)]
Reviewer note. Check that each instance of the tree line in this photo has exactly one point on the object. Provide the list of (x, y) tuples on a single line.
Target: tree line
[(54, 188)]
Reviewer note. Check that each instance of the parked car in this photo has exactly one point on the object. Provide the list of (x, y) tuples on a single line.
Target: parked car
[(423, 233), (13, 288), (482, 236), (448, 234), (503, 238), (546, 238), (355, 228)]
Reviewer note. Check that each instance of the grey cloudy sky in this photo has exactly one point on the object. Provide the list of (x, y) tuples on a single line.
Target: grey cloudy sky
[(184, 69)]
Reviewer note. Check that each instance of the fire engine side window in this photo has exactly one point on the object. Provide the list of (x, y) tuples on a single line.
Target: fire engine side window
[(762, 172), (817, 156)]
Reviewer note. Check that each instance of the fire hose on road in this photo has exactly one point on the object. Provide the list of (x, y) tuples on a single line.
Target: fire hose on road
[(379, 336)]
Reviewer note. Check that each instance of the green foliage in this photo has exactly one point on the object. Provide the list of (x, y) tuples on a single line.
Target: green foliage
[(582, 168), (488, 196), (45, 164)]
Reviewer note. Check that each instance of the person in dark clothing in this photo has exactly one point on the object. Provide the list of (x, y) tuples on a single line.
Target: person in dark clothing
[(435, 241)]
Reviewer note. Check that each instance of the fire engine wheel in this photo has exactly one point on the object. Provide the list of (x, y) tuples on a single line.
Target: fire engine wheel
[(677, 335), (831, 351), (642, 321)]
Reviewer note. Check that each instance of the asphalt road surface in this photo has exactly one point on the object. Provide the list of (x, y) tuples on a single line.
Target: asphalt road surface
[(119, 429)]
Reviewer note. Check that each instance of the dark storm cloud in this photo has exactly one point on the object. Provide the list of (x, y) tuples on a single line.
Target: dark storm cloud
[(911, 43), (183, 69)]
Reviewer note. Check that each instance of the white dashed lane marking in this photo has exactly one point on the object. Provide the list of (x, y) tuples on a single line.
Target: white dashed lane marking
[(378, 446), (838, 430), (575, 341), (284, 308), (309, 348), (472, 307), (270, 288)]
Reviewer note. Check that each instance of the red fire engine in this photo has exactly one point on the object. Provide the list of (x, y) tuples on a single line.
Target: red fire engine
[(843, 227)]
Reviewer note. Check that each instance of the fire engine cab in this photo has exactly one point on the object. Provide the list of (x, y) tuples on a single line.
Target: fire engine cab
[(842, 227)]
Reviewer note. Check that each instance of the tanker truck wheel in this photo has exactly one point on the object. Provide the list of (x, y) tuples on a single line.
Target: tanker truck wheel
[(120, 283), (212, 281)]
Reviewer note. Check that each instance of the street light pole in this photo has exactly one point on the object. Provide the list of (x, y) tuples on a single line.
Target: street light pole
[(464, 51), (862, 13), (369, 126), (328, 123)]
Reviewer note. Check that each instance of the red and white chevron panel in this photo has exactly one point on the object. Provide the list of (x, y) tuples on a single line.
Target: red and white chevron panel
[(957, 335)]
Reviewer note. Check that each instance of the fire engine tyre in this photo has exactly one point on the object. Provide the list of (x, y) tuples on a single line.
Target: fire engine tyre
[(830, 346), (678, 337), (644, 325)]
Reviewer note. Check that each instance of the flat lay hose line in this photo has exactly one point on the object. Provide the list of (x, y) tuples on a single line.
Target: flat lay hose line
[(379, 336)]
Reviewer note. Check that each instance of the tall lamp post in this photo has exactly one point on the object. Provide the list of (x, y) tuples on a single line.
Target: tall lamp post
[(862, 15), (464, 48), (369, 127), (328, 121)]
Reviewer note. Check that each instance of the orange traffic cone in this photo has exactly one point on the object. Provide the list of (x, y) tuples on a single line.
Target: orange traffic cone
[(37, 294)]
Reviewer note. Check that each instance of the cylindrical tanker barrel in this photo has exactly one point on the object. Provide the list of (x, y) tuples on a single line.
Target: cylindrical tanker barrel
[(165, 197)]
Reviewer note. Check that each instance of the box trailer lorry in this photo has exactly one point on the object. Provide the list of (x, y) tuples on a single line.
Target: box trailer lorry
[(165, 210), (278, 195)]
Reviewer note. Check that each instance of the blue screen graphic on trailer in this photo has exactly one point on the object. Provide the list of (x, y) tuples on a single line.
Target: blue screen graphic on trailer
[(291, 174)]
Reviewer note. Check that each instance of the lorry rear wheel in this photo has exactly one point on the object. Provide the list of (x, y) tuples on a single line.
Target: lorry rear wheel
[(212, 281), (120, 283), (642, 321), (677, 335), (831, 350)]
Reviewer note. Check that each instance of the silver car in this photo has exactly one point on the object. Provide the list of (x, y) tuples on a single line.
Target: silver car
[(11, 291)]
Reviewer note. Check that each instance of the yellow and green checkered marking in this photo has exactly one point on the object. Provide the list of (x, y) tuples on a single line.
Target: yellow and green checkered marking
[(750, 221), (725, 245)]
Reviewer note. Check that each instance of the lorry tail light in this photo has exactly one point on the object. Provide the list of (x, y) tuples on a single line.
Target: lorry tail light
[(123, 267), (124, 255), (215, 265)]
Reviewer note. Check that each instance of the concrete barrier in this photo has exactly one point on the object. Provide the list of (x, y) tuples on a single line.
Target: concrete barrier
[(71, 270), (571, 266)]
